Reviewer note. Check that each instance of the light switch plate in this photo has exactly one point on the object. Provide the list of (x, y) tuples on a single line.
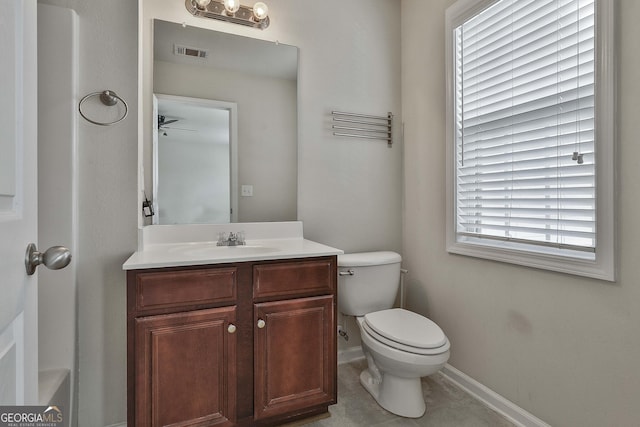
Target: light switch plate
[(246, 191)]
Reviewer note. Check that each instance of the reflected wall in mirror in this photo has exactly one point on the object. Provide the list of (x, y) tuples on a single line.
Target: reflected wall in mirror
[(194, 161), (258, 76)]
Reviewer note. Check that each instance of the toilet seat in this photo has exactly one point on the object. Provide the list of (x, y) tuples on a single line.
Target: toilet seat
[(405, 331)]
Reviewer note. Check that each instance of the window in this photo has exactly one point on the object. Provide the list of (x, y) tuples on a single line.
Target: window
[(530, 133)]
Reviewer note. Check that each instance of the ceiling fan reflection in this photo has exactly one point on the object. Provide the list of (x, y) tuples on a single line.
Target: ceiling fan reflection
[(163, 123)]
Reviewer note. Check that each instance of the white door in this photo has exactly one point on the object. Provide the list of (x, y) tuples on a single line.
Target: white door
[(18, 202)]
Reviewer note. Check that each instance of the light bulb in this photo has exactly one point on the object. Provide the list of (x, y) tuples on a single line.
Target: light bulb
[(231, 6), (260, 11), (202, 3)]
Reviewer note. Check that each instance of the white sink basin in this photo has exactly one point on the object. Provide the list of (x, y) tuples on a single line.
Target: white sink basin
[(211, 250)]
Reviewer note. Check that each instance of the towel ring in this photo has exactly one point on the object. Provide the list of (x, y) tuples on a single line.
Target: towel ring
[(108, 98)]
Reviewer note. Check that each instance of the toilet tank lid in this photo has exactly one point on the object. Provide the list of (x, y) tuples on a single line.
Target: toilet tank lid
[(361, 259)]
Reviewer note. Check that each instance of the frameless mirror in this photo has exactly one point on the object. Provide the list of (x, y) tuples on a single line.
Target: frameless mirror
[(204, 82)]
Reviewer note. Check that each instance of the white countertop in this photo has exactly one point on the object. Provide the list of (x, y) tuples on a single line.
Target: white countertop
[(202, 253), (183, 245)]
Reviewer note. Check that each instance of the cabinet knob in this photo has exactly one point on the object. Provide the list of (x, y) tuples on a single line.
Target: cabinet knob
[(231, 328), (261, 323)]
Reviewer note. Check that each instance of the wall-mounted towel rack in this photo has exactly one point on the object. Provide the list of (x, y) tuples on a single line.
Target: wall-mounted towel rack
[(108, 98), (363, 126)]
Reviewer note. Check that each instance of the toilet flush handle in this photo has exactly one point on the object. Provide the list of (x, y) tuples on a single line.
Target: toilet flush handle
[(346, 273)]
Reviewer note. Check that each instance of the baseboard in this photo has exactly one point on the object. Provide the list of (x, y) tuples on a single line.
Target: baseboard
[(350, 354), (493, 400), (118, 425)]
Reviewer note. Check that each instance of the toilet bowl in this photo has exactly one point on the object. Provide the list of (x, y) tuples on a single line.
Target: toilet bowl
[(393, 375), (400, 346)]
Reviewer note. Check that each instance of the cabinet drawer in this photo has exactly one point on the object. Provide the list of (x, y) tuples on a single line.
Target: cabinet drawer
[(185, 288), (296, 278)]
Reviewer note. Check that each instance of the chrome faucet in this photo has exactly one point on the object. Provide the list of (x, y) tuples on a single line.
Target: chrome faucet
[(234, 239)]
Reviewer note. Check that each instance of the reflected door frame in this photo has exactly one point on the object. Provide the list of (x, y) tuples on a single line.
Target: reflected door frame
[(232, 108)]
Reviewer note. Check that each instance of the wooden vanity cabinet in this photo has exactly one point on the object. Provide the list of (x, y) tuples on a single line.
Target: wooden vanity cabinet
[(243, 344)]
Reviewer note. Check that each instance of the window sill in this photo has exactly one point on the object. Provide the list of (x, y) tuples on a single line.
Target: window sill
[(579, 264)]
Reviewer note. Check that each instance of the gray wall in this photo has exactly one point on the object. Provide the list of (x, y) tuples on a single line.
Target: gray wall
[(107, 207), (348, 190), (562, 347)]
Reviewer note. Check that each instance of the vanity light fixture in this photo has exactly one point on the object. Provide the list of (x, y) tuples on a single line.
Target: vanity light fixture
[(230, 11)]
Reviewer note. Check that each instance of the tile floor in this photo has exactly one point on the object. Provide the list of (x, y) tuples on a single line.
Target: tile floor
[(447, 405)]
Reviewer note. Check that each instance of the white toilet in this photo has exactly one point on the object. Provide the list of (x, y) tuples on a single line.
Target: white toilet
[(400, 346)]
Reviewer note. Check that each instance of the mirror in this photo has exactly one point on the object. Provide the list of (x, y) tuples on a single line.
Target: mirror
[(259, 78)]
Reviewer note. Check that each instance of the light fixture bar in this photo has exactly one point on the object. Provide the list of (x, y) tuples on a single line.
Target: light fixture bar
[(215, 10)]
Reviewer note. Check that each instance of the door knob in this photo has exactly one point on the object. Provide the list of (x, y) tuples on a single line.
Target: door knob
[(261, 323), (232, 328), (55, 258)]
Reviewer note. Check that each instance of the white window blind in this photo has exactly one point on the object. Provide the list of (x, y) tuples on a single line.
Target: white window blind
[(525, 124)]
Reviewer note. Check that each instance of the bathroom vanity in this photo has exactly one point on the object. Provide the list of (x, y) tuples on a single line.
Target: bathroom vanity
[(231, 336)]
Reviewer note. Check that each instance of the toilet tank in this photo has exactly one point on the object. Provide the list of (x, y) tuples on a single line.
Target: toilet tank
[(367, 281)]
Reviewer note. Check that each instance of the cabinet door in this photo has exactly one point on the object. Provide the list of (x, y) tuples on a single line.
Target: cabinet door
[(186, 369), (294, 356)]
